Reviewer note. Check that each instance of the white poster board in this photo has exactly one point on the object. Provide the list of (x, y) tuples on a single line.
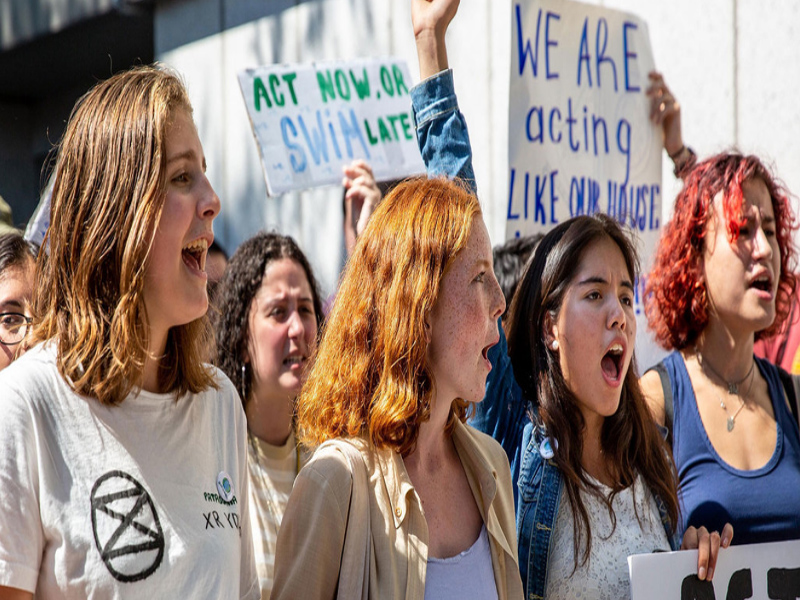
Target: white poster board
[(758, 571), (310, 120), (580, 137)]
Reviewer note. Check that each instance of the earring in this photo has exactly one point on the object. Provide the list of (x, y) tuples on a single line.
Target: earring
[(554, 345), (244, 378)]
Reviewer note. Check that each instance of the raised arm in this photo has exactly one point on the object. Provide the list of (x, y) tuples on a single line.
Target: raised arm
[(361, 199), (430, 19), (441, 129), (665, 112)]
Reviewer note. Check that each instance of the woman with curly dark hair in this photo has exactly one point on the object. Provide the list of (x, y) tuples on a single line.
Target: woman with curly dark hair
[(722, 279), (266, 330)]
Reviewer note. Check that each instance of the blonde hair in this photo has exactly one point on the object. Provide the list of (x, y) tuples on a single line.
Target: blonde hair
[(370, 376), (107, 198)]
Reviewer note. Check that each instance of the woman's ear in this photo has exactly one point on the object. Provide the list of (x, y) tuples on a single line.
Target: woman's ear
[(550, 333), (427, 331)]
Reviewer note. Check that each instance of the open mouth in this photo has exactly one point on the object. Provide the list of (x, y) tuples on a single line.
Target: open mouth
[(612, 362), (763, 284), (485, 352), (291, 361), (194, 254)]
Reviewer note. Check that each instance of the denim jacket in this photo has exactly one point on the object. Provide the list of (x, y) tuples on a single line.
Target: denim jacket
[(504, 413)]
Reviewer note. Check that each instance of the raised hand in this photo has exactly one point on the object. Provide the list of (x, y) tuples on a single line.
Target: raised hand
[(665, 111), (362, 196), (430, 19)]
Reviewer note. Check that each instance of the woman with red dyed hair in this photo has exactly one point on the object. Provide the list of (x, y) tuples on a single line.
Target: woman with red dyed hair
[(403, 353), (722, 279)]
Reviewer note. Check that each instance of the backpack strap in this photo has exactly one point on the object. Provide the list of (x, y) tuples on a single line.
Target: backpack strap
[(669, 408)]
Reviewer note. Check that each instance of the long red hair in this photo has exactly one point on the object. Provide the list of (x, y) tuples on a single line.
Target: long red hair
[(370, 376), (675, 295)]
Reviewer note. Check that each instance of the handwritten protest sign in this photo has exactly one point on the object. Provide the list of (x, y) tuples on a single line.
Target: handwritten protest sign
[(750, 571), (580, 138), (309, 120)]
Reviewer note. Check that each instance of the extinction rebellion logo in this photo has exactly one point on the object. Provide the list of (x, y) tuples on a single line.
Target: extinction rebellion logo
[(126, 528)]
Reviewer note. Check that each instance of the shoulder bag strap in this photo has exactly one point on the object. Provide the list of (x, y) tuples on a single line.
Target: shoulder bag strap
[(669, 408), (354, 569), (791, 385)]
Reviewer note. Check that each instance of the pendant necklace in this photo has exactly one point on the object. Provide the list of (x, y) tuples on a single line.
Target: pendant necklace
[(272, 501), (733, 389), (731, 418), (733, 386)]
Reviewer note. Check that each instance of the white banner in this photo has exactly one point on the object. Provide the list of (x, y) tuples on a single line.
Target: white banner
[(580, 137), (758, 571), (310, 120)]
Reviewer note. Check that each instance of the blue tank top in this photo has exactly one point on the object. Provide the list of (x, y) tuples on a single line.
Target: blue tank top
[(763, 505)]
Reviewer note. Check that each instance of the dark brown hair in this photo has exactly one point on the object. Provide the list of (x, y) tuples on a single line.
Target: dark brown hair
[(629, 437)]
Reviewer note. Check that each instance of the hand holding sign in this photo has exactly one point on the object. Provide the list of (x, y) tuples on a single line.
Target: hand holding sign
[(707, 546), (665, 112), (757, 571)]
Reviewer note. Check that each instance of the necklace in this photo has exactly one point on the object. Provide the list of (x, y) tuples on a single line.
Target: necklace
[(733, 389), (731, 418), (267, 485), (733, 386)]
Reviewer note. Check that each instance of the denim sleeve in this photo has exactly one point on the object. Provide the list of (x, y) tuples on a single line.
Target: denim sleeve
[(441, 129)]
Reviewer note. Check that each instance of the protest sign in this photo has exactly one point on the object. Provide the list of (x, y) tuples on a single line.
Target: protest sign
[(580, 138), (310, 120), (749, 571)]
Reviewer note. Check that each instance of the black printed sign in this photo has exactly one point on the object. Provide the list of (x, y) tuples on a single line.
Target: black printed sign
[(126, 528), (768, 571)]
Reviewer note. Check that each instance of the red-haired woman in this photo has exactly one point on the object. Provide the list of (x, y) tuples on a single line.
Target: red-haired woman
[(401, 499), (723, 278)]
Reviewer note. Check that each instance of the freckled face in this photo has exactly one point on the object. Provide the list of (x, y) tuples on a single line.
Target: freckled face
[(463, 322), (596, 328), (742, 275)]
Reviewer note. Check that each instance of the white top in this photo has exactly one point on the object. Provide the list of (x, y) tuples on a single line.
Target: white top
[(148, 499), (605, 575), (465, 576), (272, 471)]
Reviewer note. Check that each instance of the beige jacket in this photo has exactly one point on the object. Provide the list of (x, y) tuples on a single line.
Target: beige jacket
[(311, 541)]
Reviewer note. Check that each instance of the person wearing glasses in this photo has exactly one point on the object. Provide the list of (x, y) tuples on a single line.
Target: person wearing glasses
[(17, 260)]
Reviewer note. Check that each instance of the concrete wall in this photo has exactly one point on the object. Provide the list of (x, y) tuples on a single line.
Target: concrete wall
[(23, 20), (733, 64)]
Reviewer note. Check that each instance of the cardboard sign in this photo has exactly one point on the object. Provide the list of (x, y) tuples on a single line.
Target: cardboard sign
[(580, 137), (310, 120), (751, 571)]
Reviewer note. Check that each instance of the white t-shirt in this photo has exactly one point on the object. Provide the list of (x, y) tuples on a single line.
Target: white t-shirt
[(148, 499)]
